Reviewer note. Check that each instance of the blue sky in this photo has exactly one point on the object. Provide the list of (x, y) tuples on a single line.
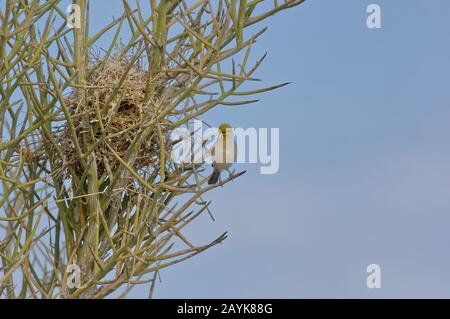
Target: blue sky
[(364, 162)]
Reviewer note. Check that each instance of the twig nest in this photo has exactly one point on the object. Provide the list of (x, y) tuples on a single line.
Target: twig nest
[(111, 113)]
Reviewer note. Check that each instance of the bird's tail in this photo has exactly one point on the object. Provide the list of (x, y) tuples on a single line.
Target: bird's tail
[(214, 177)]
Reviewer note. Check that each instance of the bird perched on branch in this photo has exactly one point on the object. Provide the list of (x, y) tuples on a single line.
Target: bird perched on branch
[(224, 152)]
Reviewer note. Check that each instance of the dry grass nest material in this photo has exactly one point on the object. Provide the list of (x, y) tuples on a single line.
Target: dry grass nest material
[(121, 117)]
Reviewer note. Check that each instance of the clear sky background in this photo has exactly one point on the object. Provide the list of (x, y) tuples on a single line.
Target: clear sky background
[(364, 161)]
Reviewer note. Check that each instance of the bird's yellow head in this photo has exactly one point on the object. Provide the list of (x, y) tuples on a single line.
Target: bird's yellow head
[(225, 129)]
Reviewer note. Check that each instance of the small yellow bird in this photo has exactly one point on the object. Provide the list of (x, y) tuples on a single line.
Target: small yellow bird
[(224, 152)]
